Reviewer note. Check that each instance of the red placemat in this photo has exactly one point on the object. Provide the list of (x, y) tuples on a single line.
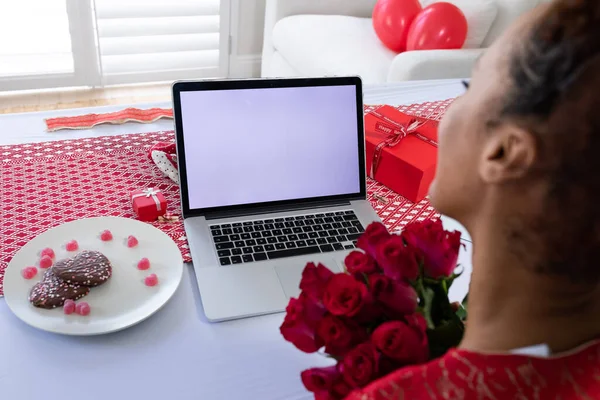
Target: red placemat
[(47, 184)]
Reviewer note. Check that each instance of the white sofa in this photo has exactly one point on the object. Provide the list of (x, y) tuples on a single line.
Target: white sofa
[(336, 37)]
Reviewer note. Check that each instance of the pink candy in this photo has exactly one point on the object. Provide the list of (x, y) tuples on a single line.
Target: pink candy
[(47, 252), (132, 241), (151, 280), (106, 236), (29, 272), (69, 307), (143, 264), (72, 245), (83, 308), (46, 262)]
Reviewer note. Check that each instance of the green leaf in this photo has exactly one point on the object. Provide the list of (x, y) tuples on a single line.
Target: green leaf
[(430, 281), (465, 301), (462, 310), (441, 309), (461, 313), (428, 297), (445, 286), (444, 337), (454, 276), (449, 280)]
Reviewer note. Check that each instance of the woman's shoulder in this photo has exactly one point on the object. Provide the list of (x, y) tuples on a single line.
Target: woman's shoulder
[(467, 375)]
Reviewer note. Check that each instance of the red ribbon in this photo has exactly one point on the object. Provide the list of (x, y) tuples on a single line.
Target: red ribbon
[(395, 133)]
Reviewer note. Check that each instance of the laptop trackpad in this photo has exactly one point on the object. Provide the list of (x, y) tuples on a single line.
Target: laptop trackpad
[(237, 291), (290, 273)]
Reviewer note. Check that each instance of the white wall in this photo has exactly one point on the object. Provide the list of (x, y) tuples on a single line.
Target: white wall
[(247, 24)]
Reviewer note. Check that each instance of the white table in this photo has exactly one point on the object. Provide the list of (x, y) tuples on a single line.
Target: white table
[(177, 354)]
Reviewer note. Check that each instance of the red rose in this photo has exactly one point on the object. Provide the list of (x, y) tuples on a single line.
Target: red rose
[(326, 396), (401, 342), (397, 260), (313, 311), (359, 263), (339, 335), (299, 325), (374, 234), (339, 391), (340, 388), (417, 321), (360, 366), (439, 248), (320, 379), (314, 280), (344, 295), (397, 298)]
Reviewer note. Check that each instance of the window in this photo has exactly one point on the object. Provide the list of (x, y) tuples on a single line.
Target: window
[(58, 43), (141, 40), (35, 54)]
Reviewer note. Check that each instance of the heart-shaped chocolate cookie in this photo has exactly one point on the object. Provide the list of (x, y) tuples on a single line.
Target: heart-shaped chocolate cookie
[(51, 291), (88, 268)]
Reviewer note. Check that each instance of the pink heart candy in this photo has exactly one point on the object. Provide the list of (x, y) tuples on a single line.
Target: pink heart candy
[(83, 308), (29, 272), (132, 241), (151, 280), (72, 245), (143, 264), (46, 262), (47, 252), (106, 236), (69, 307)]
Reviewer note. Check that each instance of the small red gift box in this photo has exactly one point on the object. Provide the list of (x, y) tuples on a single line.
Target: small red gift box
[(401, 151), (148, 204)]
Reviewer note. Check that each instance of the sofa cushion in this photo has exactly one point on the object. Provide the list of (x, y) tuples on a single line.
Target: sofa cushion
[(280, 68), (480, 15), (318, 45)]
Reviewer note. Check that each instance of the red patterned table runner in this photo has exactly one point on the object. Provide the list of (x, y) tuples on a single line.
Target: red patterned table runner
[(120, 117), (47, 184)]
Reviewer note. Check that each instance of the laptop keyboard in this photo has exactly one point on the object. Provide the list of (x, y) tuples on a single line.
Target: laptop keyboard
[(270, 239)]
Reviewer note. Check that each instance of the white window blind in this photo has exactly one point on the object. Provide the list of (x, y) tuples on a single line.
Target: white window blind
[(141, 40), (56, 43)]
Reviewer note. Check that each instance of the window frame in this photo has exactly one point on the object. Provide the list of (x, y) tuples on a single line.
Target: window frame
[(86, 57), (83, 49)]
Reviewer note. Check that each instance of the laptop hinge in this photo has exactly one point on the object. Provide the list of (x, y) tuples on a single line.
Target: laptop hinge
[(274, 209)]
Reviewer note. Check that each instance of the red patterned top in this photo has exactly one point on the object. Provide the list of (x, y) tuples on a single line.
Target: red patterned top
[(464, 375)]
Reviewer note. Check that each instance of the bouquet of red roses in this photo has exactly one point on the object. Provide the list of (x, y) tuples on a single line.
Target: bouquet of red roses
[(388, 310)]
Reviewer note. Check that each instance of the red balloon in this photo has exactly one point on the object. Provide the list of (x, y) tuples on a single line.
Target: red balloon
[(392, 19), (440, 26)]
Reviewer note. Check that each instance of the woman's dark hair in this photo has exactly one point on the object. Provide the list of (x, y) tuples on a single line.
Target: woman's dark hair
[(555, 93)]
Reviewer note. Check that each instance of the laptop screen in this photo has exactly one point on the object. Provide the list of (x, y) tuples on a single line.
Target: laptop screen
[(261, 145)]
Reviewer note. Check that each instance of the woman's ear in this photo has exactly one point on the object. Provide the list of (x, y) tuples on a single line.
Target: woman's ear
[(509, 153)]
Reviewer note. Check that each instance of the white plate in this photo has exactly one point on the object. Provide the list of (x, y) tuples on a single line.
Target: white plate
[(118, 304)]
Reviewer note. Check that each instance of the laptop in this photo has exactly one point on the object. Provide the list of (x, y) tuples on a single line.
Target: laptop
[(272, 176)]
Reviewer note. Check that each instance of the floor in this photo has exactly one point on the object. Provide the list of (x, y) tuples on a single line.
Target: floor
[(47, 100)]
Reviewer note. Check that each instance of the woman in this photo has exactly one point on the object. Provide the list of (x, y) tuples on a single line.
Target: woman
[(519, 167)]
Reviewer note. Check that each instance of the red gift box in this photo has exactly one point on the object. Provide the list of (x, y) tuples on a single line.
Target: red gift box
[(401, 151), (148, 204)]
